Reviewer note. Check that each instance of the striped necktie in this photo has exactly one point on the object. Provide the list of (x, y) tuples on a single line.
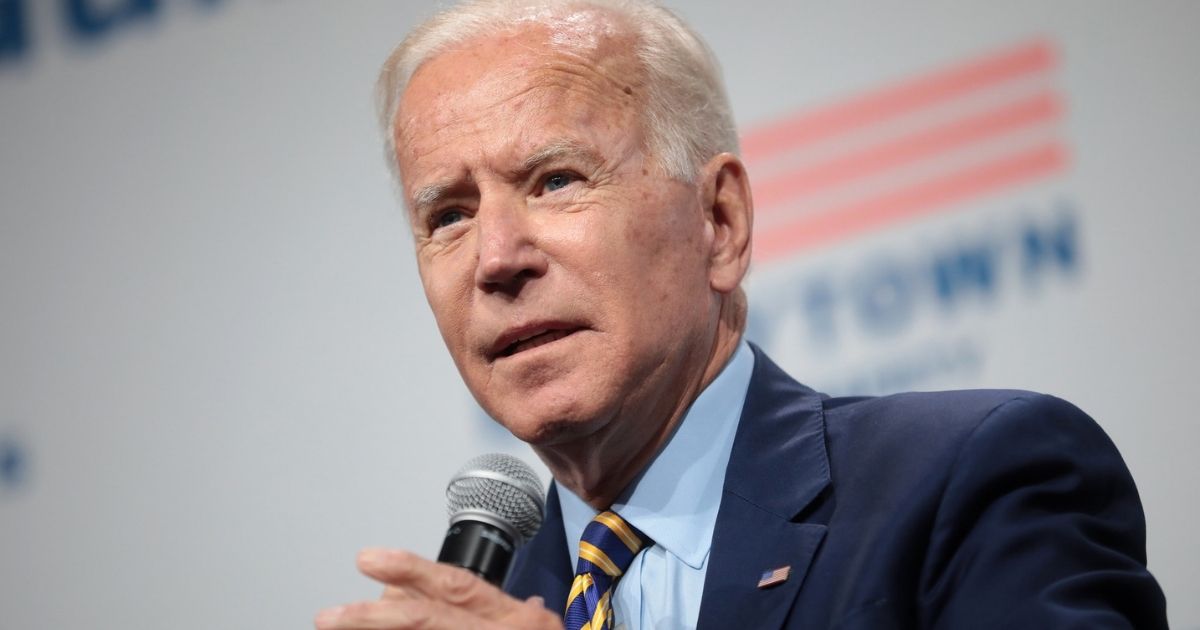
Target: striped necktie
[(607, 547)]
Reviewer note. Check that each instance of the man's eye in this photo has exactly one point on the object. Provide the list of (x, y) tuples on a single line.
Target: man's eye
[(557, 181), (449, 217)]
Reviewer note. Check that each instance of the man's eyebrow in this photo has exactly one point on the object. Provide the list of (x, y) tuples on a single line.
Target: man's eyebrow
[(557, 150), (428, 196)]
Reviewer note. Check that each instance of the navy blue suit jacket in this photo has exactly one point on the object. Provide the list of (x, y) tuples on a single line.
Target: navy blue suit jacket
[(974, 509)]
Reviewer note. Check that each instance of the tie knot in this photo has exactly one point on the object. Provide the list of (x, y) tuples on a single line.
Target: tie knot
[(609, 545), (606, 548)]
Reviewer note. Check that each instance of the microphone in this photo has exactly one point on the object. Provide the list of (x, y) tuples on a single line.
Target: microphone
[(496, 504)]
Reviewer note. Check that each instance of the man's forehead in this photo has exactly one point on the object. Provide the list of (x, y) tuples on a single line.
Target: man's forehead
[(468, 86), (523, 120)]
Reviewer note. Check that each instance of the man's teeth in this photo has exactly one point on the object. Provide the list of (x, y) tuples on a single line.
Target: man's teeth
[(537, 340)]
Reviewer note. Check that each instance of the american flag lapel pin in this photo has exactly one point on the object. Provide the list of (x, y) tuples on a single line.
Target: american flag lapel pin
[(774, 576)]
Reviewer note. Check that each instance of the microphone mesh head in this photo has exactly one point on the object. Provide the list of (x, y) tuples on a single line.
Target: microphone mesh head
[(501, 486)]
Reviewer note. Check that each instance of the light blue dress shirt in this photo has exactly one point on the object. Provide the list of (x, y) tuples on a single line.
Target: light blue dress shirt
[(674, 502)]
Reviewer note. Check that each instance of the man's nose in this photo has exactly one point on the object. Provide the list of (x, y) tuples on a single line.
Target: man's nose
[(508, 251)]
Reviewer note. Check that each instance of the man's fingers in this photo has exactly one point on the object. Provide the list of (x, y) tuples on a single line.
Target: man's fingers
[(396, 593), (388, 615), (410, 573), (424, 614), (428, 595)]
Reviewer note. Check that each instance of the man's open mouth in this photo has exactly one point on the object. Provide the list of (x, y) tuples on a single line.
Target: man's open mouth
[(530, 343), (531, 339)]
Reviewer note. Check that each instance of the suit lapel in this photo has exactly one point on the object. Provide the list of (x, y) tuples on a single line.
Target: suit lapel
[(778, 466), (543, 566)]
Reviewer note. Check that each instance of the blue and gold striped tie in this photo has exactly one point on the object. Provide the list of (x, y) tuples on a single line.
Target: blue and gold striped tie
[(606, 548)]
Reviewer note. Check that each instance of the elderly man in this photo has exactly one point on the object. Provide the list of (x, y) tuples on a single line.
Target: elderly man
[(582, 226)]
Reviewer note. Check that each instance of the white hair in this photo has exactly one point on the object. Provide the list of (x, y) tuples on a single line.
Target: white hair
[(686, 113)]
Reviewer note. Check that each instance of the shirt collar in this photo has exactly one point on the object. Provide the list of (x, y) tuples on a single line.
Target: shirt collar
[(675, 499)]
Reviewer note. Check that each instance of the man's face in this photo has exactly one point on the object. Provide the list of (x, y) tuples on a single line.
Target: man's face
[(568, 276)]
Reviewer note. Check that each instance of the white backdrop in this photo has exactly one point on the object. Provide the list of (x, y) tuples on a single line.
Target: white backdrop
[(219, 378)]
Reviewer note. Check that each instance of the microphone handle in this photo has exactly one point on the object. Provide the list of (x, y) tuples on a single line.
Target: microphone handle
[(479, 547)]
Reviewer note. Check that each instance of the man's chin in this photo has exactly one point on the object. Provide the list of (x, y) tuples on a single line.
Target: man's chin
[(549, 433)]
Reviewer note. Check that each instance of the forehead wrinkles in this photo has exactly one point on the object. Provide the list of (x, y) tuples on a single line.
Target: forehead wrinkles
[(463, 91)]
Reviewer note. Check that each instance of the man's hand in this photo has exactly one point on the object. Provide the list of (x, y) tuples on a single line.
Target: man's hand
[(422, 594)]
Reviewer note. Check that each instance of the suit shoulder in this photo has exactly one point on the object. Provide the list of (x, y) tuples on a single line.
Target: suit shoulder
[(927, 407), (945, 419)]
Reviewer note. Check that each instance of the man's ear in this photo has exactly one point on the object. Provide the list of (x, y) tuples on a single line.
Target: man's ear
[(729, 210)]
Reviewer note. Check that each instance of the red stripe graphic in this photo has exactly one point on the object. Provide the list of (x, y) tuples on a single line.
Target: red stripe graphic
[(918, 200), (906, 151), (900, 99), (772, 193)]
